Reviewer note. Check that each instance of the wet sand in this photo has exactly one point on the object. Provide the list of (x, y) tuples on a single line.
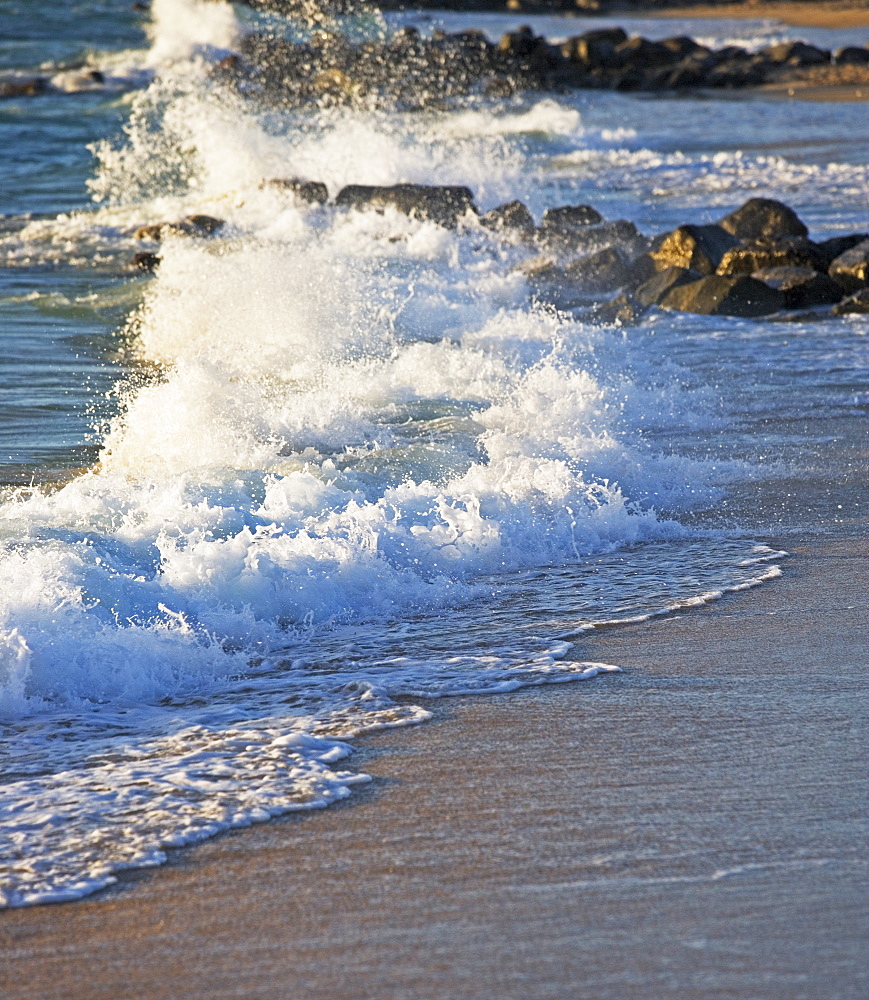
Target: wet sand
[(829, 14), (695, 827)]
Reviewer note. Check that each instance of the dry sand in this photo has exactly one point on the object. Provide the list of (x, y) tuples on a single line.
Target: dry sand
[(693, 828)]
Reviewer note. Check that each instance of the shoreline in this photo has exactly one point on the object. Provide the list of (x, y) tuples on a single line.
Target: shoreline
[(692, 825), (795, 13)]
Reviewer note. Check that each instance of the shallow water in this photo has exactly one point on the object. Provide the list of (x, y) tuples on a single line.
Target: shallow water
[(338, 457)]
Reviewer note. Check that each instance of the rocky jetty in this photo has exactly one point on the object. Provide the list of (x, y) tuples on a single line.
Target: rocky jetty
[(755, 261), (412, 70)]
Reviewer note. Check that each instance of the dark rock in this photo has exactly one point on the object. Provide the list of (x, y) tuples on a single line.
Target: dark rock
[(682, 47), (641, 269), (829, 250), (690, 72), (145, 261), (796, 54), (311, 192), (594, 49), (699, 248), (192, 225), (566, 218), (568, 241), (851, 268), (653, 291), (739, 72), (640, 53), (30, 86), (603, 271), (444, 205), (203, 224), (763, 219), (717, 295), (802, 286), (851, 56), (513, 215), (858, 303), (793, 251)]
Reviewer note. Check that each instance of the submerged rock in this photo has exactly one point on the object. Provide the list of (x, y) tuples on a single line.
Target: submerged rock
[(444, 205), (719, 295)]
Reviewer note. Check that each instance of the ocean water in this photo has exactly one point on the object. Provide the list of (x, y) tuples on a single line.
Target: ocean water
[(327, 462)]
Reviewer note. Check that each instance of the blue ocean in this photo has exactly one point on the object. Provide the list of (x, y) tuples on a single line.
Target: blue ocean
[(324, 465)]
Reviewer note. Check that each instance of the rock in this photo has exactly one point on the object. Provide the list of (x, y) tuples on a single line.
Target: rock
[(202, 224), (699, 248), (566, 218), (802, 286), (603, 271), (858, 304), (829, 250), (310, 192), (144, 261), (690, 72), (641, 269), (587, 239), (192, 225), (653, 291), (717, 295), (793, 251), (640, 53), (851, 268), (851, 56), (623, 310), (30, 86), (513, 215), (683, 47), (738, 72), (796, 54), (444, 205), (594, 49), (763, 219)]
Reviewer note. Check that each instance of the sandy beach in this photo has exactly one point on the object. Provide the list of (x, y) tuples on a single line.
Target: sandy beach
[(831, 14), (694, 827)]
